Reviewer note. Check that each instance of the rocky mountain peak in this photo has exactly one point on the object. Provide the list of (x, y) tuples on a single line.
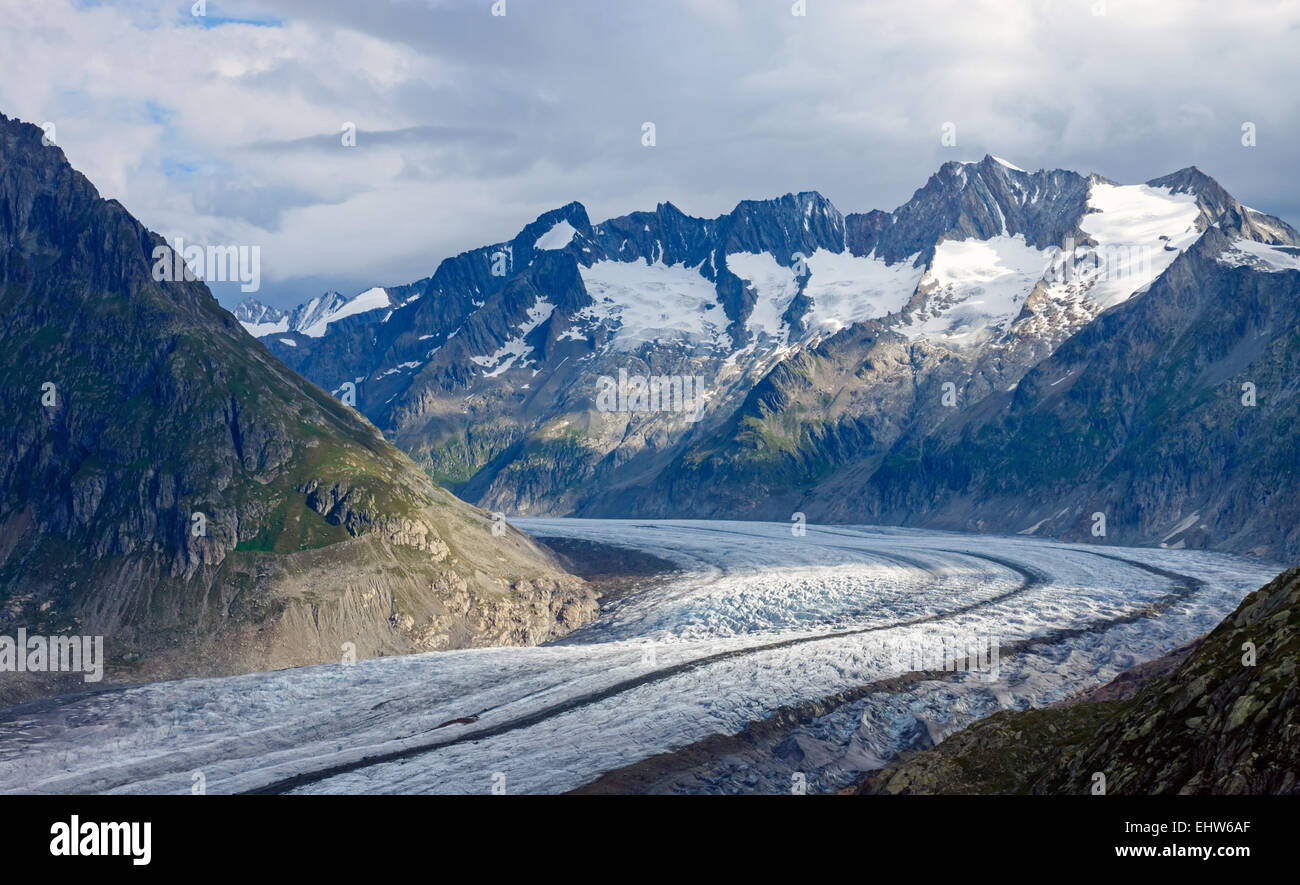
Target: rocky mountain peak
[(983, 200), (555, 229), (250, 311), (1220, 209)]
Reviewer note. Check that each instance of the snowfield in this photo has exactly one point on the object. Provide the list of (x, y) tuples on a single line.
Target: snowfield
[(979, 286), (757, 618), (559, 236), (1148, 226), (654, 302), (846, 289)]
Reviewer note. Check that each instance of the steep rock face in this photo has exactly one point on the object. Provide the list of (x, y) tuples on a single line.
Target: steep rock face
[(980, 201), (166, 482), (1220, 209), (844, 402), (260, 319), (1140, 415), (1221, 722), (489, 375)]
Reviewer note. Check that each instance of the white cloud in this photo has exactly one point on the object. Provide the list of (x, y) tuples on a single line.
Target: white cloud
[(472, 125)]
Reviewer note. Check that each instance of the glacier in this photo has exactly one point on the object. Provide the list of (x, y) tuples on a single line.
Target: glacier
[(756, 617)]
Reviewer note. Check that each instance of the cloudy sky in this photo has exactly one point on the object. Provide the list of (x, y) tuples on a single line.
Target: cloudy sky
[(227, 128)]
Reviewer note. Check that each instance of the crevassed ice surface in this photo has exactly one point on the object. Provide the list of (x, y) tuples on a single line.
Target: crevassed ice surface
[(757, 618)]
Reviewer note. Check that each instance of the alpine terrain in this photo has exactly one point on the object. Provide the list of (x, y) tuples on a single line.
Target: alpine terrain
[(1043, 353)]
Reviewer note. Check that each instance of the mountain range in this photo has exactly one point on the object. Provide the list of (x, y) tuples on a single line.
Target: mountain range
[(1023, 352)]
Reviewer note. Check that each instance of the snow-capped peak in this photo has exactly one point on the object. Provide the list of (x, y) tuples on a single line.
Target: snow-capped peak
[(313, 318), (260, 320), (317, 321)]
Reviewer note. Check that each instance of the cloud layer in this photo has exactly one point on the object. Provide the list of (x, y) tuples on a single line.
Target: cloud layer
[(228, 128)]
